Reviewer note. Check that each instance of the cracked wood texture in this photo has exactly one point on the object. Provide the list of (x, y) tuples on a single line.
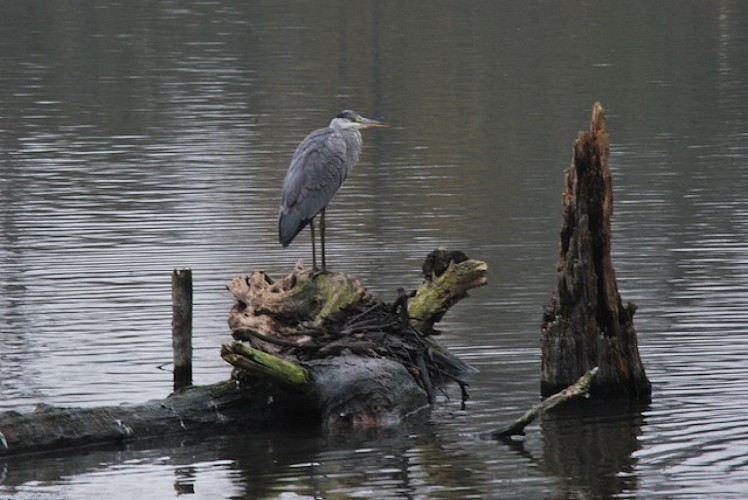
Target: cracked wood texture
[(586, 323)]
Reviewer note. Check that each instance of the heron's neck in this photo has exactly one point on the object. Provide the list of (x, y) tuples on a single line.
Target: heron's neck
[(352, 138)]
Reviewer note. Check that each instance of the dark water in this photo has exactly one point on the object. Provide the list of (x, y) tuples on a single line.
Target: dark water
[(136, 137)]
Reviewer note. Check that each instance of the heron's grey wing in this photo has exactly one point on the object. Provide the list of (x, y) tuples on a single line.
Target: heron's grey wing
[(317, 170)]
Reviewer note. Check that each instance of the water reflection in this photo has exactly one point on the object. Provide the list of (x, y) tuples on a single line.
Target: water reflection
[(590, 448), (391, 463), (135, 138)]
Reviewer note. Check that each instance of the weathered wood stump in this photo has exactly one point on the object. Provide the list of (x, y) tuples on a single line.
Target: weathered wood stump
[(291, 325), (311, 349), (586, 323)]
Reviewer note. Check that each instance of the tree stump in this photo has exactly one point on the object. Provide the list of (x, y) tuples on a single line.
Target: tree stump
[(288, 330), (586, 323)]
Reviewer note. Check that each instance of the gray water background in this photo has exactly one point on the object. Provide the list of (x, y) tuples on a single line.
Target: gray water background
[(137, 137)]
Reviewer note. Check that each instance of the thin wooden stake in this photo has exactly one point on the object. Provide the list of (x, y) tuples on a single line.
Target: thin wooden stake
[(181, 326)]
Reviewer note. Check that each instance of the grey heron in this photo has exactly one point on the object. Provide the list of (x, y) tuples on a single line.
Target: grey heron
[(318, 168)]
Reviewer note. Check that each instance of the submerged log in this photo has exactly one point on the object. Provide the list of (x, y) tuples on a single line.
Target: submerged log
[(310, 349), (346, 391), (581, 388), (223, 406), (586, 324)]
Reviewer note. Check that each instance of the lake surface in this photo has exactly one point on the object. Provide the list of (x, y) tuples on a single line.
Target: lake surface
[(136, 137)]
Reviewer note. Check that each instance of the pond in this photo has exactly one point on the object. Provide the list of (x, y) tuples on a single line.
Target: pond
[(138, 137)]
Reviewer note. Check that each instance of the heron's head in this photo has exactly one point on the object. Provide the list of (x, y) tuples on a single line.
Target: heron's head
[(351, 120)]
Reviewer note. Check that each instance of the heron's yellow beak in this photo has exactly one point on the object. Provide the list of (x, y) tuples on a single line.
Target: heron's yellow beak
[(369, 123)]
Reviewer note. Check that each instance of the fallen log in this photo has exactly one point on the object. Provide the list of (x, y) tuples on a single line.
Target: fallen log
[(310, 349), (586, 323), (227, 406), (193, 409)]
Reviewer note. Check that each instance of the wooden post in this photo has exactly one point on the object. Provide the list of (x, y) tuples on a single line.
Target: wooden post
[(586, 324), (181, 326)]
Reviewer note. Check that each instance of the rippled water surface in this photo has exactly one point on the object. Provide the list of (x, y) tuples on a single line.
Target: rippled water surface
[(138, 137)]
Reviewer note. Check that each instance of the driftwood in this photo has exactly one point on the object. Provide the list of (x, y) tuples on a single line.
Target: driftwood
[(308, 316), (310, 349), (226, 406), (581, 388), (586, 324), (193, 410)]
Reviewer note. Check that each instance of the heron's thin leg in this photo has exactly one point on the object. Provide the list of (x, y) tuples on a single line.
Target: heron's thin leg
[(322, 237), (314, 251)]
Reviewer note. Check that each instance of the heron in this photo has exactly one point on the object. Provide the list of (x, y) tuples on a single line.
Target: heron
[(317, 170)]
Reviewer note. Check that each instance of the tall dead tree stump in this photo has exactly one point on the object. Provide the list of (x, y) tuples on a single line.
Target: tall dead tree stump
[(586, 323)]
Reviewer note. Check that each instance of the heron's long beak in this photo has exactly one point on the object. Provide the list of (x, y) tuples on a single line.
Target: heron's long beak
[(369, 123)]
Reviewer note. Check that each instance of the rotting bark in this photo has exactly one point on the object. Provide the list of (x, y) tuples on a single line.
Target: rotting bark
[(448, 277), (223, 406), (586, 324), (385, 393), (308, 316), (311, 349)]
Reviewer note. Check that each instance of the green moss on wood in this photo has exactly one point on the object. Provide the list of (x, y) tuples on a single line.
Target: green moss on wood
[(438, 294), (337, 292), (255, 361)]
